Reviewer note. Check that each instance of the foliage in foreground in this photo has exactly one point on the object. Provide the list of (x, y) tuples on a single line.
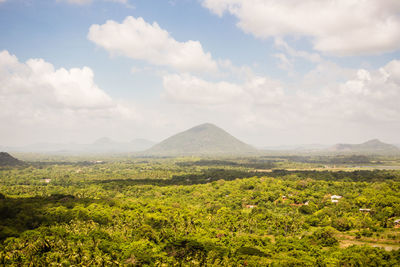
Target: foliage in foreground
[(108, 215)]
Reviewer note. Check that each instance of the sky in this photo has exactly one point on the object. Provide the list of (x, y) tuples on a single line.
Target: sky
[(269, 72)]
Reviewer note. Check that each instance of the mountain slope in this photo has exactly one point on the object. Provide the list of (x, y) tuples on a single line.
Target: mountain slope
[(8, 160), (202, 139), (371, 146)]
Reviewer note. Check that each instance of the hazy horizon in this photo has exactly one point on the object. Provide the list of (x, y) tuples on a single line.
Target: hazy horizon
[(74, 71), (258, 146), (271, 143)]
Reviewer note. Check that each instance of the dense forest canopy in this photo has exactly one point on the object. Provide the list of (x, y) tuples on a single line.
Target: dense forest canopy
[(252, 211)]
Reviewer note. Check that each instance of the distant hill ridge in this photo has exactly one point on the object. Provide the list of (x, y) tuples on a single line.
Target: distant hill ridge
[(8, 160), (202, 139), (371, 146)]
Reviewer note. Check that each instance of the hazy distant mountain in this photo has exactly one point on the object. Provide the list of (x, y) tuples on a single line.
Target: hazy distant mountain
[(105, 145), (371, 146), (8, 160), (102, 145), (202, 139), (297, 148)]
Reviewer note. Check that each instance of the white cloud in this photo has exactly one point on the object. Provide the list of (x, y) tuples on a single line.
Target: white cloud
[(264, 91), (192, 90), (288, 57), (63, 88), (339, 27), (39, 102), (372, 96), (189, 89), (392, 71), (353, 104), (368, 99), (325, 74), (284, 62), (137, 39), (312, 57), (37, 99)]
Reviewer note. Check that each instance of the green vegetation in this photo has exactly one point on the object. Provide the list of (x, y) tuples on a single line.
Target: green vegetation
[(197, 212), (204, 139)]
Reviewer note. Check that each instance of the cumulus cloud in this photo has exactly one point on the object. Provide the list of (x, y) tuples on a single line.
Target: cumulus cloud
[(325, 74), (353, 102), (312, 57), (369, 98), (189, 89), (372, 96), (36, 97), (339, 27), (284, 62), (137, 39), (62, 88)]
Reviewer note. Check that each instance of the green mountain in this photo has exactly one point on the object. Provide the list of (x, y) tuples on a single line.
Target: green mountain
[(371, 146), (8, 160), (204, 139)]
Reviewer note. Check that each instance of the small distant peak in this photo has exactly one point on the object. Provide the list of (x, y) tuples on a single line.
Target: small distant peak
[(206, 125), (209, 124), (373, 141)]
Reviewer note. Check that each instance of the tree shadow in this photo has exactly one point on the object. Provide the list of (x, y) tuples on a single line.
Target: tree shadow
[(212, 175), (207, 176), (20, 214)]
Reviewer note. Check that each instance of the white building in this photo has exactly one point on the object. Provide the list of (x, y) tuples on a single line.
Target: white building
[(335, 198)]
